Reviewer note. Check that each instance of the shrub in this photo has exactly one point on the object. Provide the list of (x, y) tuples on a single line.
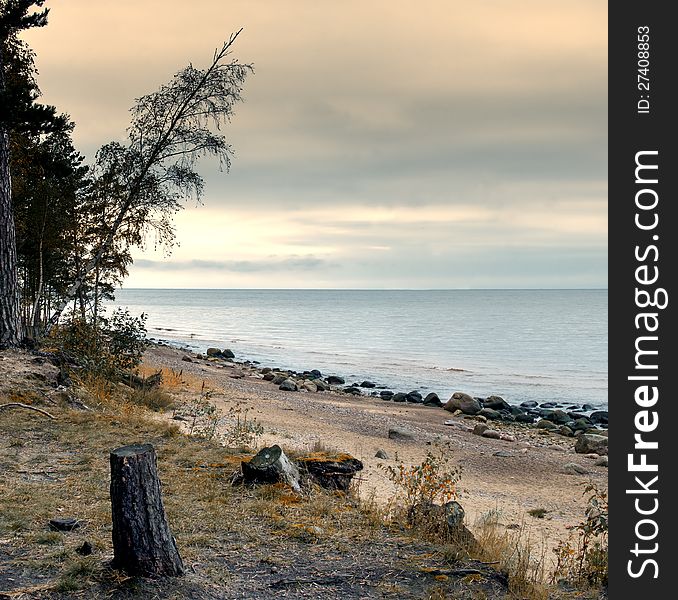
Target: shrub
[(431, 482), (105, 348), (584, 559)]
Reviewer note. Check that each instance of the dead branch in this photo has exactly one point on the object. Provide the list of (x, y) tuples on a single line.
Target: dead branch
[(27, 407)]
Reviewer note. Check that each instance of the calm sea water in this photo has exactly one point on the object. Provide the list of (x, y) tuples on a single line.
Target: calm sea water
[(543, 345)]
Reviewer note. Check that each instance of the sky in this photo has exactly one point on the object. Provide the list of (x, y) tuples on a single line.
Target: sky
[(380, 144)]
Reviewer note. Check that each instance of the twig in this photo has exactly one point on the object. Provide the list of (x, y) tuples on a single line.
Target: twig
[(28, 407)]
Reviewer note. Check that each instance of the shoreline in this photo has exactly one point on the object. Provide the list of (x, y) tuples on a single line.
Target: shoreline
[(575, 417), (522, 469)]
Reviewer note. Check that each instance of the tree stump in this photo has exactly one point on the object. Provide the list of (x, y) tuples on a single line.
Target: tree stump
[(271, 465), (332, 472), (142, 542)]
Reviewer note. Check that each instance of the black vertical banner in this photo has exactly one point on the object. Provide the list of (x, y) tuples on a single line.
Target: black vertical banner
[(643, 169)]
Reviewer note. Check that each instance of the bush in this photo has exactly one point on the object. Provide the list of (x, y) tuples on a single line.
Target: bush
[(584, 559), (105, 348)]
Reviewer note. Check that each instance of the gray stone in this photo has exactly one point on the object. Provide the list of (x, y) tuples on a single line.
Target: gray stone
[(575, 469), (464, 403), (309, 386), (529, 404), (382, 454), (491, 434), (227, 353), (386, 394), (601, 462), (496, 403), (480, 428), (546, 424), (400, 433), (432, 399), (399, 397), (368, 384), (588, 443), (491, 414), (335, 380), (288, 385), (502, 453)]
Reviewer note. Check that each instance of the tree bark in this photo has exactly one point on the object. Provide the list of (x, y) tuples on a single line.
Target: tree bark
[(330, 472), (10, 321), (271, 465), (142, 542)]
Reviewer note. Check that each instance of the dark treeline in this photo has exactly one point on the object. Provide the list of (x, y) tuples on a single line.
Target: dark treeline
[(67, 225)]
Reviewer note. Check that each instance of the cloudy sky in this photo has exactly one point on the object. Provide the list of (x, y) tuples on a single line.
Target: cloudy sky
[(381, 144)]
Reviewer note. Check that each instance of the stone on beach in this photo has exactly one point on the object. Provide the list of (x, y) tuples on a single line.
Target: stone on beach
[(288, 385), (588, 443), (463, 402), (400, 433)]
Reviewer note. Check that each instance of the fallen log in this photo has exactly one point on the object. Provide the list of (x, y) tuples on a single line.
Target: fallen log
[(271, 465), (333, 472), (142, 542)]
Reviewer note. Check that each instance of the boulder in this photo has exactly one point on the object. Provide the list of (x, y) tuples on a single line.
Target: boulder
[(213, 352), (227, 353), (353, 390), (321, 386), (601, 462), (288, 385), (315, 374), (582, 424), (496, 403), (382, 454), (269, 376), (557, 416), (566, 431), (546, 424), (432, 399), (335, 380), (588, 407), (598, 417), (278, 378), (386, 394), (309, 386), (368, 384), (414, 397), (589, 442), (524, 418), (464, 403), (489, 413), (529, 404), (399, 397)]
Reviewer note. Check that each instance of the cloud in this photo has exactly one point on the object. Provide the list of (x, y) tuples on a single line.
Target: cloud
[(302, 263)]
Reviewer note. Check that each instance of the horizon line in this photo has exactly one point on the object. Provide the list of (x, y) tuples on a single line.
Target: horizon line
[(468, 289)]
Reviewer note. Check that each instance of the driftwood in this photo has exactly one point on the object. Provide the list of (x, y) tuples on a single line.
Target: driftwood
[(271, 465), (333, 472), (142, 542), (27, 407)]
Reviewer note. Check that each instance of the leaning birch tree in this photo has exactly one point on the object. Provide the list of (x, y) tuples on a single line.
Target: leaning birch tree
[(146, 181)]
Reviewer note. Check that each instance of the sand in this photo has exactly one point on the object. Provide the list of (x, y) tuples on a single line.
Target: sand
[(529, 474)]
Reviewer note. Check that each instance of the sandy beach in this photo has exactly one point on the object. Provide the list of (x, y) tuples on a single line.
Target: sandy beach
[(501, 478)]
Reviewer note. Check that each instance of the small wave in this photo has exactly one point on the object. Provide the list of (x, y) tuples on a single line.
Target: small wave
[(456, 370)]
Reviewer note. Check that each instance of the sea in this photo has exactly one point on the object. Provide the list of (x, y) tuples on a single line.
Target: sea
[(542, 345)]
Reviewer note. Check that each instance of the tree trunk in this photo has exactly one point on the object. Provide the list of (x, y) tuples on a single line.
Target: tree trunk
[(271, 465), (10, 321), (333, 472), (142, 542)]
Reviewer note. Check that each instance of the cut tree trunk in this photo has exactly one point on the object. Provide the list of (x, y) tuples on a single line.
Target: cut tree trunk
[(142, 542), (271, 465)]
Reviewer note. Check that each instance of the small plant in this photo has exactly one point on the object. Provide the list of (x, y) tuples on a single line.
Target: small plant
[(242, 431), (585, 559), (155, 399), (538, 513), (202, 415), (431, 482)]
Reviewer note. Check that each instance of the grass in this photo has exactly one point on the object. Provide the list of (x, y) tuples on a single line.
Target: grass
[(230, 538)]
